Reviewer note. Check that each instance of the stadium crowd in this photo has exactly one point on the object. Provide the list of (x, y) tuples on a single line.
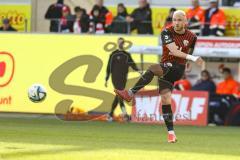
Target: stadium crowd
[(211, 21), (204, 22), (100, 20), (228, 86), (223, 95)]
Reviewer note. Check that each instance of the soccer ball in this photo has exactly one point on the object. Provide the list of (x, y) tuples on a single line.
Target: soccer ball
[(37, 93)]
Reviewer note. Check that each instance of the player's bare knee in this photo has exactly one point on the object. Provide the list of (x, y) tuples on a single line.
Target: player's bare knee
[(166, 96), (166, 100), (156, 69), (151, 68)]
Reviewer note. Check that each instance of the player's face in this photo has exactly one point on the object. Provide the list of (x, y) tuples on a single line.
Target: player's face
[(179, 22)]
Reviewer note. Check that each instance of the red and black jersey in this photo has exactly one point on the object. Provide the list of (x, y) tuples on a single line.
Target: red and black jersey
[(185, 42)]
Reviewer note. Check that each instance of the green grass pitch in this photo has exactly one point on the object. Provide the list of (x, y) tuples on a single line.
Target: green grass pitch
[(50, 139)]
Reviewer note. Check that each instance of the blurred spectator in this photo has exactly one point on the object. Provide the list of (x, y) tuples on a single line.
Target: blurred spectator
[(205, 83), (102, 9), (219, 107), (168, 21), (214, 20), (66, 20), (7, 26), (141, 18), (236, 91), (108, 22), (183, 84), (195, 16), (54, 13), (228, 85), (81, 20), (119, 24), (102, 13), (97, 22)]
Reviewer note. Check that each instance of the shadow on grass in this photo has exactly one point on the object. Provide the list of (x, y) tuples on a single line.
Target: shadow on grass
[(96, 136), (18, 154)]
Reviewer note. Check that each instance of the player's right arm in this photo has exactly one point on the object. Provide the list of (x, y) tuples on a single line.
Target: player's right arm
[(108, 72), (174, 49)]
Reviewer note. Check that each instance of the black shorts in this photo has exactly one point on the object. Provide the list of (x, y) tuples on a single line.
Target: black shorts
[(171, 72)]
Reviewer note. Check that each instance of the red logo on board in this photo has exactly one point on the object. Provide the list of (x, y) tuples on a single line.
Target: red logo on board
[(7, 67)]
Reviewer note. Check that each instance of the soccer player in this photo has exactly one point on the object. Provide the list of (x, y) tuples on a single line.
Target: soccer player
[(178, 44), (118, 64)]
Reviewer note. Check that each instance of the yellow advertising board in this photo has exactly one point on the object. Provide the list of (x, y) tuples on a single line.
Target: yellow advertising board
[(233, 19), (20, 16), (72, 68), (159, 15)]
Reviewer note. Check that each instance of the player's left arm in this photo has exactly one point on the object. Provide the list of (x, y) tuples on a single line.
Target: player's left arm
[(191, 49), (199, 60), (175, 51)]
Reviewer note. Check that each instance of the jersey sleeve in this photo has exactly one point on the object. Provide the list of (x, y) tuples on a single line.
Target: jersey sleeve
[(191, 49), (194, 42), (166, 37)]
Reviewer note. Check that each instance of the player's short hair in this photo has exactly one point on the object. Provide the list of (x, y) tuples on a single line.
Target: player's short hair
[(180, 12)]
